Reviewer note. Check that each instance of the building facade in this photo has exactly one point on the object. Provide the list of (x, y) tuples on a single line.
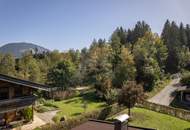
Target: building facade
[(15, 96)]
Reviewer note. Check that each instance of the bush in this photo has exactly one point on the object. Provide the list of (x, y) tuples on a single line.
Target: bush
[(185, 80), (42, 109), (41, 100), (28, 114), (111, 96), (49, 104)]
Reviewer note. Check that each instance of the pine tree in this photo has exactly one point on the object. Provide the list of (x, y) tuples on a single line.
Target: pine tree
[(141, 28), (122, 34), (188, 35), (116, 51), (171, 38), (183, 35)]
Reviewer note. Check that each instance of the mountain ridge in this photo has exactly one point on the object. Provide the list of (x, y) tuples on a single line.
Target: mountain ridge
[(17, 49)]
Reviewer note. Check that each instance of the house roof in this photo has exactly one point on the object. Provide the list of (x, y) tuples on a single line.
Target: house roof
[(27, 83), (104, 125), (183, 89)]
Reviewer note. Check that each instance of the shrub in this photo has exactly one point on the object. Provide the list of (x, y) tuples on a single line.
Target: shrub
[(111, 96), (42, 109), (28, 114), (49, 103), (185, 80)]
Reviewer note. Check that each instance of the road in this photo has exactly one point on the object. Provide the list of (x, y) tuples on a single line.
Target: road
[(166, 95)]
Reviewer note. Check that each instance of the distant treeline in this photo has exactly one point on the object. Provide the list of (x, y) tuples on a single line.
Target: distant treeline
[(135, 54)]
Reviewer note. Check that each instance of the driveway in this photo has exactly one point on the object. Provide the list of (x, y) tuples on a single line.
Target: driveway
[(39, 120), (166, 96), (47, 116), (36, 123)]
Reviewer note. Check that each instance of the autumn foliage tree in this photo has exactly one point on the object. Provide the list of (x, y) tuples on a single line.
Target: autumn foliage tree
[(130, 94)]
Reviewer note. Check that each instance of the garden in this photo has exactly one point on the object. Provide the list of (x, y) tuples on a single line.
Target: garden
[(75, 106), (150, 119)]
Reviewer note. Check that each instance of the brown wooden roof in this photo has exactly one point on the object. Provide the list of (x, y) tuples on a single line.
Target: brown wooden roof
[(183, 89), (104, 125), (22, 82)]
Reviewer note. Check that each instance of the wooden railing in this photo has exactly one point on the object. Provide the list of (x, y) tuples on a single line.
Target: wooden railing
[(16, 103)]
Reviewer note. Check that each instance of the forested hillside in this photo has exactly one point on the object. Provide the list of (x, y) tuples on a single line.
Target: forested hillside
[(130, 54)]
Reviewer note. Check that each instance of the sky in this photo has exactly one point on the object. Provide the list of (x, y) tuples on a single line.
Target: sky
[(66, 24)]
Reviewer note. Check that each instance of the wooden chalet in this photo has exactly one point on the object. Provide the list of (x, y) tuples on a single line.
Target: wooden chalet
[(184, 92), (16, 95)]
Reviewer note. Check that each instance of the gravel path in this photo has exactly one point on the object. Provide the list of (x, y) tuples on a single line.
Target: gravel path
[(166, 96), (47, 116), (36, 123)]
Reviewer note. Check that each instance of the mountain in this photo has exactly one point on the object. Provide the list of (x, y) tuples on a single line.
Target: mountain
[(19, 48)]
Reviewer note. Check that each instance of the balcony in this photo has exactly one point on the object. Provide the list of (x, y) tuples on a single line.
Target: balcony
[(16, 103)]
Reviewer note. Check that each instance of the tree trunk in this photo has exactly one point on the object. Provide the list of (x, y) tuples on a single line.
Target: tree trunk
[(129, 111)]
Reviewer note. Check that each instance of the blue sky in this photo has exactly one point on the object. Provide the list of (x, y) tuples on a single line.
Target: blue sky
[(65, 24)]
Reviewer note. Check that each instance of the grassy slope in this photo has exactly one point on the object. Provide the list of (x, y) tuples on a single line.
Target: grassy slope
[(151, 119), (74, 106)]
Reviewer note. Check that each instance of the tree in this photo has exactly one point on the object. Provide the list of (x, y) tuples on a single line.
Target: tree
[(183, 35), (122, 34), (111, 96), (161, 53), (74, 56), (125, 70), (130, 94), (147, 54), (7, 65), (97, 63), (103, 86), (188, 35), (141, 28), (28, 68), (176, 40), (60, 75), (116, 51)]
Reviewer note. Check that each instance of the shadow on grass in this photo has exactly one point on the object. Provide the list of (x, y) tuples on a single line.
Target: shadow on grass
[(102, 105), (76, 114), (90, 97), (71, 101)]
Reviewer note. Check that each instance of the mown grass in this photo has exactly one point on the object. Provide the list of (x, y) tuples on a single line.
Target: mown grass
[(75, 106), (150, 119)]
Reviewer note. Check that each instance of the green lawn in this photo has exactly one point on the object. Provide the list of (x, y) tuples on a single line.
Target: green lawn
[(75, 106), (146, 118)]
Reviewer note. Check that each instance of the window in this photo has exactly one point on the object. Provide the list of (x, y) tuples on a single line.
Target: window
[(18, 91), (4, 93)]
